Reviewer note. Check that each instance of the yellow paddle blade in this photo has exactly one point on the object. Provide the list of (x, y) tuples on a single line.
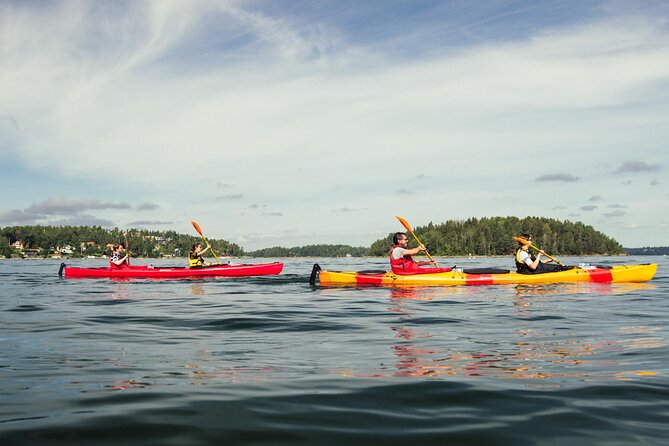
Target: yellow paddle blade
[(197, 227), (405, 223)]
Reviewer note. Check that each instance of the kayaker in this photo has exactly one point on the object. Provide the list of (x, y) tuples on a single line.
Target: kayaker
[(117, 259), (527, 263), (195, 259), (401, 261)]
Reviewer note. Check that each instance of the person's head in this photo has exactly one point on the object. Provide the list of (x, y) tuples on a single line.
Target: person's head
[(118, 247), (527, 237), (400, 238), (196, 247)]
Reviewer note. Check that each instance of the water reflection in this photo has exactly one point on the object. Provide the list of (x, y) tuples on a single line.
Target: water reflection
[(534, 355), (196, 289)]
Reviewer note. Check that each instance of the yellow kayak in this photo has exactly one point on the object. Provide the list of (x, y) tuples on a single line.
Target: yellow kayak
[(487, 276)]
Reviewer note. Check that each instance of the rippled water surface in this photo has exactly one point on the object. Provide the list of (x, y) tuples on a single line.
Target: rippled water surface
[(273, 360)]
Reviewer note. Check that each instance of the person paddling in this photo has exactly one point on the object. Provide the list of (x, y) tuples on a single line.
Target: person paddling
[(527, 263), (401, 261), (195, 259), (118, 259)]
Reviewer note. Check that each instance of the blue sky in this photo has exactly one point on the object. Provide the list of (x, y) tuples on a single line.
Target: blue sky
[(290, 123)]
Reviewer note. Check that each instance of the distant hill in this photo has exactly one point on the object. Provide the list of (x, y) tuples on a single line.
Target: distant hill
[(492, 236), (311, 251), (482, 237), (81, 241), (648, 251)]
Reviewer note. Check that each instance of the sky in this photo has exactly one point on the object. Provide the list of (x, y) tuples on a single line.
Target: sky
[(287, 123)]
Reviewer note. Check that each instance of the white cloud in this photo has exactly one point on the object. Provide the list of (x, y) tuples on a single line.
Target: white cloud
[(275, 111)]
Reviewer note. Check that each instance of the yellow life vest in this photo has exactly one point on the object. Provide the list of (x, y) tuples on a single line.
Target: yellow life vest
[(195, 262)]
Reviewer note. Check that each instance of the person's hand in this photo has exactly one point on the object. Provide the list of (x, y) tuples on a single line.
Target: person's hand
[(422, 248)]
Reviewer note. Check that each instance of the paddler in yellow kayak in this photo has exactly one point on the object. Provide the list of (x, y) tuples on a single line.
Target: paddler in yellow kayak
[(526, 263), (401, 261)]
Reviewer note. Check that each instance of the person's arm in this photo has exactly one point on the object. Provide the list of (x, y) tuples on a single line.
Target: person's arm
[(534, 264), (415, 251), (205, 250), (120, 261), (544, 261)]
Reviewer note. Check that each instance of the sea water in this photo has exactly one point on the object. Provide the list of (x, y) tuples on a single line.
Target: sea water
[(274, 360)]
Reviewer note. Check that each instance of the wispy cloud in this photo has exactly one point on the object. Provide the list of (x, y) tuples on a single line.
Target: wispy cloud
[(63, 211), (82, 220), (147, 207), (614, 214), (596, 198), (637, 166), (560, 177), (59, 205), (588, 208), (144, 223), (230, 197)]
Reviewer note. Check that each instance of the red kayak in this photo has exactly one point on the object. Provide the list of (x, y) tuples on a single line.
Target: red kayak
[(158, 272)]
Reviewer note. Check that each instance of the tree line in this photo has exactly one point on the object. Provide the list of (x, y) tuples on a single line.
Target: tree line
[(83, 241), (486, 236), (649, 251), (312, 251), (491, 236)]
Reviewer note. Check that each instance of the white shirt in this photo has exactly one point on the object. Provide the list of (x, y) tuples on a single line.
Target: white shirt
[(398, 253), (524, 257)]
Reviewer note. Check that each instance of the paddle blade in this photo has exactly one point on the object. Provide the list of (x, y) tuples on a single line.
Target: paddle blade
[(405, 223), (197, 227), (520, 240)]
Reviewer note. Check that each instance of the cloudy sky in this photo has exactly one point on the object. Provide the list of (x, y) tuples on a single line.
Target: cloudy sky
[(297, 122)]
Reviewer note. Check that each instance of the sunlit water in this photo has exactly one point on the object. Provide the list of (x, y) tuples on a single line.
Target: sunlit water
[(273, 360)]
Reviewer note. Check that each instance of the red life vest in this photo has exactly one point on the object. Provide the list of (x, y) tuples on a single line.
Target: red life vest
[(402, 265)]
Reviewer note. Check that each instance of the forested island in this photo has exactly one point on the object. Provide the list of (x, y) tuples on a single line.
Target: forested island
[(648, 251), (95, 241), (488, 236)]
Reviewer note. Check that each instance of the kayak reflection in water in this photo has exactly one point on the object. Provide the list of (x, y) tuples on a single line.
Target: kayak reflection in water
[(527, 263), (195, 259), (401, 261), (118, 259)]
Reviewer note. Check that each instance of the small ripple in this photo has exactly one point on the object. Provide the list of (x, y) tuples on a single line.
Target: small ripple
[(21, 308)]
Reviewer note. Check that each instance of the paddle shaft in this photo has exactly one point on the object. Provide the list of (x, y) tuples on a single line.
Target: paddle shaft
[(127, 250), (408, 228)]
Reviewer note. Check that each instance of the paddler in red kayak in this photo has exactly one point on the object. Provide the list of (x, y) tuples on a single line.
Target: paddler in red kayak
[(118, 259), (195, 259), (401, 261)]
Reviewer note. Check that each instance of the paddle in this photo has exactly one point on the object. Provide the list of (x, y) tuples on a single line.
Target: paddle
[(407, 226), (127, 251), (199, 230), (527, 242)]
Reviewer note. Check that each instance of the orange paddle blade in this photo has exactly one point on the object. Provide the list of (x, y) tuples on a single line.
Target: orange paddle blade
[(520, 240), (405, 223), (197, 227)]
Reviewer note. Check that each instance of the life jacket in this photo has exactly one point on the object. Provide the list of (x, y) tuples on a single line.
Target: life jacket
[(402, 265), (195, 262), (114, 257), (522, 267)]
